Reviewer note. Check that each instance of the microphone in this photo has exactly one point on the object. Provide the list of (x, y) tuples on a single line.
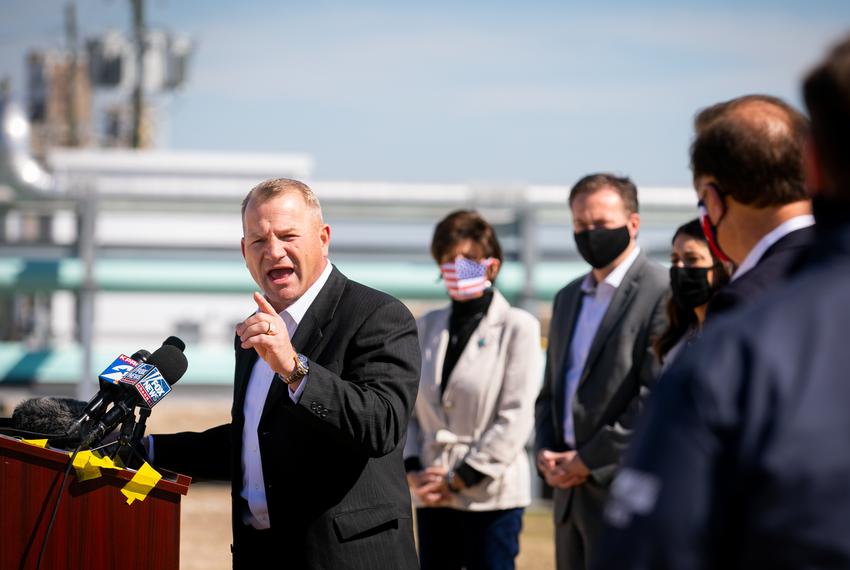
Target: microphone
[(175, 342), (50, 417), (147, 384), (129, 440), (109, 389), (121, 365)]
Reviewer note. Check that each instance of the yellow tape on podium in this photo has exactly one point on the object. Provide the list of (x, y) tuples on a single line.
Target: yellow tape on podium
[(84, 466), (104, 462), (140, 485), (89, 463)]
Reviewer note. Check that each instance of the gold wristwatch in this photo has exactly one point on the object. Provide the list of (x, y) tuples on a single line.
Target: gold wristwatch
[(302, 367)]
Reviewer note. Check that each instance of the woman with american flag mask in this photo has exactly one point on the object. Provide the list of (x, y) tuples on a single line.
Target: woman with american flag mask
[(481, 368)]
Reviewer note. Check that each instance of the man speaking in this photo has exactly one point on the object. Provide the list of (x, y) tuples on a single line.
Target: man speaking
[(326, 376)]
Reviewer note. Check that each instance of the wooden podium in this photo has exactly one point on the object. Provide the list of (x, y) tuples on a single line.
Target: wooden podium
[(95, 527)]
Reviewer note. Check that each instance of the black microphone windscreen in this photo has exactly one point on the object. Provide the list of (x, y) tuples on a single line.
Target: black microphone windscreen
[(170, 362), (49, 416), (176, 342)]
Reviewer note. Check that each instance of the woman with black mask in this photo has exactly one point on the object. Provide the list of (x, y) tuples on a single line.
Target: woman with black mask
[(695, 274)]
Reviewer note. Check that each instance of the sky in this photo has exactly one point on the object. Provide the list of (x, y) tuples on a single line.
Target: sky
[(445, 91)]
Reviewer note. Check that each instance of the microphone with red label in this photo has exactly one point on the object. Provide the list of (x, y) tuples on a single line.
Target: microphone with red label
[(110, 389), (108, 392), (144, 385)]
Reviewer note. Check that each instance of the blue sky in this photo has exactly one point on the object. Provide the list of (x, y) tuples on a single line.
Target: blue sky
[(439, 91)]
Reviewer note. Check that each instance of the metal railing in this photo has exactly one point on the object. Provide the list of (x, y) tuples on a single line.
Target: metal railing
[(124, 221)]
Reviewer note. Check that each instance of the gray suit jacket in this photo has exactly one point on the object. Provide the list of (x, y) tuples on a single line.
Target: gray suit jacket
[(617, 378)]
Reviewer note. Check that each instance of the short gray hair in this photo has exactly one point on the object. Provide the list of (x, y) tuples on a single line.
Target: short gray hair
[(277, 186)]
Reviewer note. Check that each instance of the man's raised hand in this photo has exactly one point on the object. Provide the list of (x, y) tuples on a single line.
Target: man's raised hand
[(265, 332)]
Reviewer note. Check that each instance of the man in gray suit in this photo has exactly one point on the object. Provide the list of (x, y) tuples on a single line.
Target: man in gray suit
[(599, 367)]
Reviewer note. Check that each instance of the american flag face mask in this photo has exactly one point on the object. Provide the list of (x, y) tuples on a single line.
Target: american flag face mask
[(466, 279)]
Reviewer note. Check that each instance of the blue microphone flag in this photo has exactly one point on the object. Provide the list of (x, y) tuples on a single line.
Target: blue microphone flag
[(119, 367)]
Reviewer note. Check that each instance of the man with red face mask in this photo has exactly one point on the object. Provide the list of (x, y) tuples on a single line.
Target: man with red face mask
[(599, 367), (747, 163), (742, 459)]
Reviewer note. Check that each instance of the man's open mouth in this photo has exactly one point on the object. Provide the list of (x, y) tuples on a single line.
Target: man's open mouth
[(280, 274)]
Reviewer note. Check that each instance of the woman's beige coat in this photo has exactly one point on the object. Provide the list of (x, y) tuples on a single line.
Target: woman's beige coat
[(486, 415)]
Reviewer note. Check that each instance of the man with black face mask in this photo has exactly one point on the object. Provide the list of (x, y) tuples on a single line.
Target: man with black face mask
[(747, 162), (742, 459), (599, 367)]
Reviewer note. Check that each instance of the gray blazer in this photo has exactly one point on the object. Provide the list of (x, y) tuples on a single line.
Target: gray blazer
[(486, 415), (617, 378)]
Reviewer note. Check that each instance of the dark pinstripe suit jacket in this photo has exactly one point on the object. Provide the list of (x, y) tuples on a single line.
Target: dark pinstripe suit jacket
[(773, 269), (332, 463)]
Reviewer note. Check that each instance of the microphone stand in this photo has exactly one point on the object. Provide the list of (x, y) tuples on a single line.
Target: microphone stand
[(139, 430), (130, 439), (124, 437)]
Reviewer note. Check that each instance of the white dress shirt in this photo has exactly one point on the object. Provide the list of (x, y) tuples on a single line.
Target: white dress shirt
[(253, 485), (779, 232), (595, 302)]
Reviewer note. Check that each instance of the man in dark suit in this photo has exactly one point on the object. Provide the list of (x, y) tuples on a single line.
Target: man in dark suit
[(327, 372), (743, 459), (747, 162), (599, 367)]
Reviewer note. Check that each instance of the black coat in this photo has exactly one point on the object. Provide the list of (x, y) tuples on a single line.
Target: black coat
[(332, 464), (772, 269), (743, 459)]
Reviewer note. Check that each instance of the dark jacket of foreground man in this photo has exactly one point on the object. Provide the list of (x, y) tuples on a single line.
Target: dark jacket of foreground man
[(743, 460), (335, 482)]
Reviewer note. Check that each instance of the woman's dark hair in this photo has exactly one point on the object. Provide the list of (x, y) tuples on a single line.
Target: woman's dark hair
[(462, 225), (679, 319)]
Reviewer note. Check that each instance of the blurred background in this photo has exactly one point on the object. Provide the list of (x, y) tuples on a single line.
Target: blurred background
[(130, 130)]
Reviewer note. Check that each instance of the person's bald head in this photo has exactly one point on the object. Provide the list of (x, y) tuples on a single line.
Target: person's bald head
[(752, 147)]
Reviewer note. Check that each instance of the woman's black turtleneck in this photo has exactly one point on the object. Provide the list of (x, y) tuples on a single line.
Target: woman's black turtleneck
[(463, 320)]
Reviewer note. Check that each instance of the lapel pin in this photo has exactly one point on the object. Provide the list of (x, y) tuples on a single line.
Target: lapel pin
[(481, 342)]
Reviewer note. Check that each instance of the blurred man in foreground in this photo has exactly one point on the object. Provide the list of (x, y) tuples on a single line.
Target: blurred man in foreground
[(743, 459), (327, 371), (747, 161), (599, 366)]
